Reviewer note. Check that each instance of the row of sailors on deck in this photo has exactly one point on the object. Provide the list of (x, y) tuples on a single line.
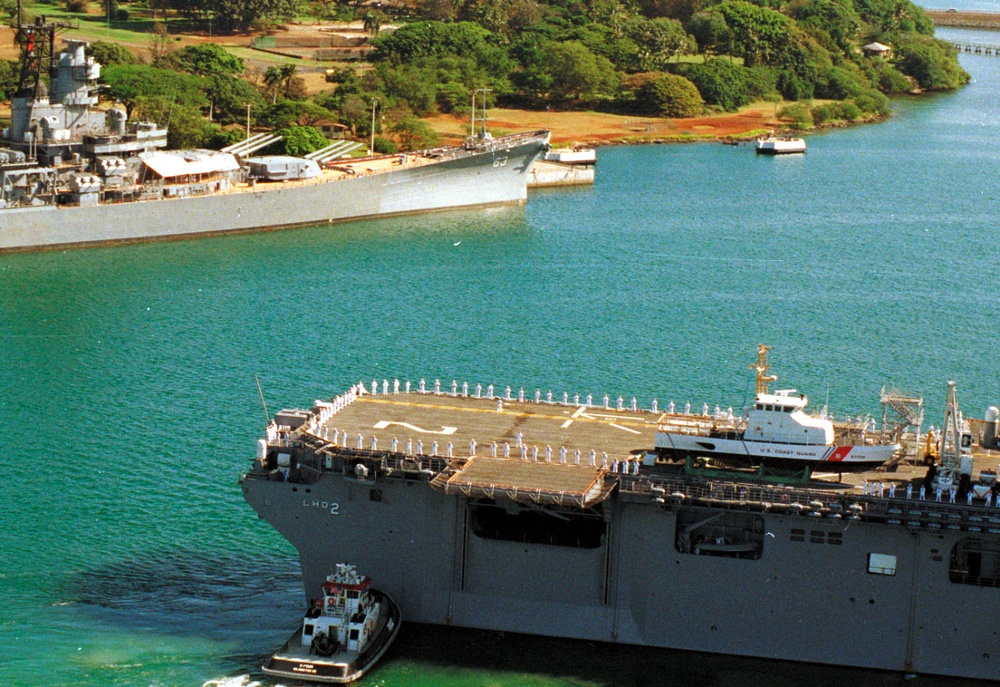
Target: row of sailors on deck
[(879, 489), (549, 398), (625, 465)]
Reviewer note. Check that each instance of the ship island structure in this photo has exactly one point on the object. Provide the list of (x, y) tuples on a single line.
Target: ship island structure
[(482, 507), (72, 174)]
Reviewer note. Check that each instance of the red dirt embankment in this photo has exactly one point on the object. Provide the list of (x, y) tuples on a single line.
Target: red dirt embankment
[(977, 20), (595, 128)]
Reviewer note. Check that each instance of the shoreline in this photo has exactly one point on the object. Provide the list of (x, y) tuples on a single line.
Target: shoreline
[(592, 129)]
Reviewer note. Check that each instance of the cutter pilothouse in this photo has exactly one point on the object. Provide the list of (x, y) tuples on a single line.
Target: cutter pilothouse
[(774, 431)]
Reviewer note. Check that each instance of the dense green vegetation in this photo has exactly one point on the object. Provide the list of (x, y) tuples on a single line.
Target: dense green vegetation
[(673, 58), (626, 56), (567, 52)]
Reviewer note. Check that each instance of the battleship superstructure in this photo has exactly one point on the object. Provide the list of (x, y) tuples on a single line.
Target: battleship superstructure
[(71, 174), (482, 508)]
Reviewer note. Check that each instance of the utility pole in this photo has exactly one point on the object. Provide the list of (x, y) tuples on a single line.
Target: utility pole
[(248, 120), (371, 150)]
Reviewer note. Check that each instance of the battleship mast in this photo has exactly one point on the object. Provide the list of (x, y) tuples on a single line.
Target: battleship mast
[(37, 41)]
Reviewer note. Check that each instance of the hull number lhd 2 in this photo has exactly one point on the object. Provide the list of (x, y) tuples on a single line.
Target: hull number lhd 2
[(331, 506)]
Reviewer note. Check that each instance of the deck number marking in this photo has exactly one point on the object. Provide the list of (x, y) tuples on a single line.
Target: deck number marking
[(382, 424)]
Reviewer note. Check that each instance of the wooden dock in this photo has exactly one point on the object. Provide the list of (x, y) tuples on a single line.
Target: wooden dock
[(978, 48)]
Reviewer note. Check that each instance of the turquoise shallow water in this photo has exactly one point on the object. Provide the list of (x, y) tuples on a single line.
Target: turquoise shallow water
[(129, 409)]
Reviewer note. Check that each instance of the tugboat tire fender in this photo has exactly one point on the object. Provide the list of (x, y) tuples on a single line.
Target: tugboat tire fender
[(323, 645)]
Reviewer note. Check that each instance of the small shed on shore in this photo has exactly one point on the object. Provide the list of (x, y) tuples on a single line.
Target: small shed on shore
[(876, 49), (331, 129)]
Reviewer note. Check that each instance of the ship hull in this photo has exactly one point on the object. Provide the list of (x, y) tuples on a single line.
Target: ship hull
[(811, 585), (497, 176), (786, 456)]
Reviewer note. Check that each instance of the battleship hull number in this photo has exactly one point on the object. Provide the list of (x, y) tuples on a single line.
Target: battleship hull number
[(331, 506)]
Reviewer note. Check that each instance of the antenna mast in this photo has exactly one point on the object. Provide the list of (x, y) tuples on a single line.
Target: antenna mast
[(761, 368), (484, 91), (267, 418)]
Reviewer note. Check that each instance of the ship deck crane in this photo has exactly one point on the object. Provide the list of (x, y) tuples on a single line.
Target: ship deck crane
[(955, 451)]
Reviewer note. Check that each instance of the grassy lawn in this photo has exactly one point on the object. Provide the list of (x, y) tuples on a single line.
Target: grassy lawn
[(137, 34), (136, 31)]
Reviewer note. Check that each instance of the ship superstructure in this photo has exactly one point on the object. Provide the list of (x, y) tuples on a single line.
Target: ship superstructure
[(343, 634), (345, 614), (774, 431), (486, 508)]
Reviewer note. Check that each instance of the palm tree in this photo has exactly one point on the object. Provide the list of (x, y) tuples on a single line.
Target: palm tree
[(287, 72), (272, 79)]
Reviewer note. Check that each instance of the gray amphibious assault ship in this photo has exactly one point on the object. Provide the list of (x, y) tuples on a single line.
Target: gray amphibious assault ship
[(72, 174), (479, 508)]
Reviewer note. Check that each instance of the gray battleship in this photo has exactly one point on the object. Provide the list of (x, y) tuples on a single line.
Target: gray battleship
[(556, 516), (71, 174)]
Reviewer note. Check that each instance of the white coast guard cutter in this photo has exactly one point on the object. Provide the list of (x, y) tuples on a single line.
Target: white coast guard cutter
[(775, 431)]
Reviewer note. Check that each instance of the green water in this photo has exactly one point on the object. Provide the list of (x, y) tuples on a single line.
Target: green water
[(129, 409)]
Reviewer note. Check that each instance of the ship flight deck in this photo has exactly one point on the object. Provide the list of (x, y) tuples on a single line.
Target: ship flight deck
[(428, 420), (547, 451), (479, 440)]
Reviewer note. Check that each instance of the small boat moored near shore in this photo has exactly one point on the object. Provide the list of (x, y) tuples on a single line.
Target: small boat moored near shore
[(344, 632), (572, 156), (779, 145)]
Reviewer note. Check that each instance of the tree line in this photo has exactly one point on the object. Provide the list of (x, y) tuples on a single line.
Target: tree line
[(674, 58)]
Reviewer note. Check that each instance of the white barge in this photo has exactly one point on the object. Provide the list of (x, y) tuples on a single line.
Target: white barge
[(776, 145)]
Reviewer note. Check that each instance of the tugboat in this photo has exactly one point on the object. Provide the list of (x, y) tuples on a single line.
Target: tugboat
[(774, 431), (343, 633)]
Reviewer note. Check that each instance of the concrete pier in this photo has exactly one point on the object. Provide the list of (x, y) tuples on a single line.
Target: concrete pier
[(545, 173)]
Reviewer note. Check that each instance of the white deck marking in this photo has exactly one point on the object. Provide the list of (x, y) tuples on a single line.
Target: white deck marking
[(382, 424), (578, 413), (581, 412)]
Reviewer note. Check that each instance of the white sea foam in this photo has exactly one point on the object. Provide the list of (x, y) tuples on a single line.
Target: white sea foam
[(233, 681)]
